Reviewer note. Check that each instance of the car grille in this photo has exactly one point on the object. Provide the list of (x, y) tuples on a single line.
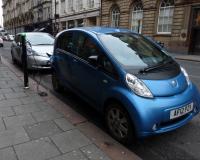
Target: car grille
[(174, 121)]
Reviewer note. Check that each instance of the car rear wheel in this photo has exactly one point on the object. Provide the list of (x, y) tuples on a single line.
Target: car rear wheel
[(56, 83), (119, 124)]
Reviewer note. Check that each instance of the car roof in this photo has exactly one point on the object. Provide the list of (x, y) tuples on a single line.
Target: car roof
[(100, 30), (31, 33)]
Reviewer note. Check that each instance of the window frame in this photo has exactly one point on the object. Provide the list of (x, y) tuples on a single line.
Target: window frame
[(136, 11), (59, 43), (116, 8), (172, 6)]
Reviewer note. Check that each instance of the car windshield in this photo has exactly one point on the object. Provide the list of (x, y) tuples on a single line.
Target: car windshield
[(133, 50), (40, 39)]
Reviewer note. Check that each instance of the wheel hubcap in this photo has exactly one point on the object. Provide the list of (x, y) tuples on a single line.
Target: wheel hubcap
[(118, 123)]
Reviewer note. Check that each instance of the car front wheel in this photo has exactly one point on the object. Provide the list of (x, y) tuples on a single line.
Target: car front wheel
[(119, 124)]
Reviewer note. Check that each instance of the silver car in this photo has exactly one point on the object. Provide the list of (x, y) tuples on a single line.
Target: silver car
[(39, 49)]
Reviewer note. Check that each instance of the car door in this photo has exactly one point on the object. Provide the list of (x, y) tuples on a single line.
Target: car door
[(89, 80), (63, 57)]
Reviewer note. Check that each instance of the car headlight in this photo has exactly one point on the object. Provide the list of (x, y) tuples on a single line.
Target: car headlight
[(186, 75), (137, 86)]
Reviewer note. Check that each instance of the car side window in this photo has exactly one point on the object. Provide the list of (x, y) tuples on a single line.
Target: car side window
[(86, 47), (65, 42), (107, 66)]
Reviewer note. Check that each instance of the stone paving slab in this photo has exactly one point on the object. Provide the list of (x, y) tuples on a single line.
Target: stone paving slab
[(46, 115), (74, 155), (64, 124), (2, 97), (41, 149), (70, 140), (5, 112), (7, 154), (23, 109), (20, 120), (13, 136), (8, 90), (42, 129), (32, 99), (94, 153), (10, 103), (15, 95), (29, 108)]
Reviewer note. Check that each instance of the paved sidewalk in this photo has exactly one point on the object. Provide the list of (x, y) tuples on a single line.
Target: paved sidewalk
[(195, 58), (44, 128), (30, 129)]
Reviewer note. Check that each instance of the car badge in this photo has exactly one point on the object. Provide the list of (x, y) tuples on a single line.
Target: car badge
[(174, 83)]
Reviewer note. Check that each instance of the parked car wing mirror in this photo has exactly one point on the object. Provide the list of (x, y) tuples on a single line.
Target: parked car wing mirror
[(93, 59)]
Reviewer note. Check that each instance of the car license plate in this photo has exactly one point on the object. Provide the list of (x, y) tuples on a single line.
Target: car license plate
[(181, 111)]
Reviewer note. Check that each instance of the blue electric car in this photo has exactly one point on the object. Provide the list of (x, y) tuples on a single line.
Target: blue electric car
[(139, 88)]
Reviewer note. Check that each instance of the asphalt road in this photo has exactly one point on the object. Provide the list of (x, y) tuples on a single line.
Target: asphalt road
[(182, 144)]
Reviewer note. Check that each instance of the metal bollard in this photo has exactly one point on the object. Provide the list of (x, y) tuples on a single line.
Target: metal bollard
[(24, 61)]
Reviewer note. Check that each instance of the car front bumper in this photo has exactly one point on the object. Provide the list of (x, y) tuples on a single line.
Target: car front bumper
[(152, 116), (38, 62)]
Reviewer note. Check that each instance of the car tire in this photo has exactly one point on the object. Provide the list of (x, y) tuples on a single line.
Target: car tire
[(56, 83), (119, 123)]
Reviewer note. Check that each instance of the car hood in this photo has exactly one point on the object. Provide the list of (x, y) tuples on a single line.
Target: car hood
[(168, 87), (43, 50)]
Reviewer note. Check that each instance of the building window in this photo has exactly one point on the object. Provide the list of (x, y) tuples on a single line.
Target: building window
[(165, 17), (136, 17), (115, 15), (90, 3), (79, 5), (63, 25), (70, 6)]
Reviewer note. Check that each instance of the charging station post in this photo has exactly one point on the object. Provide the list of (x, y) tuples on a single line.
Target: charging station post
[(24, 60)]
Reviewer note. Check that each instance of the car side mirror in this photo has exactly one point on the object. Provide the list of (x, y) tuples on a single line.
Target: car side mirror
[(93, 60)]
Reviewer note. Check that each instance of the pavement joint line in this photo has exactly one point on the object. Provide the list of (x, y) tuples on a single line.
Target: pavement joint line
[(55, 143), (4, 123), (15, 152), (60, 127), (34, 117)]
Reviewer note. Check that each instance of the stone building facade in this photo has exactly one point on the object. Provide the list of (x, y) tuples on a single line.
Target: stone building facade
[(76, 13), (26, 15), (174, 22)]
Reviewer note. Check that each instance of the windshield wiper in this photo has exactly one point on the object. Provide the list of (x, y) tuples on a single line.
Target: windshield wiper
[(150, 68)]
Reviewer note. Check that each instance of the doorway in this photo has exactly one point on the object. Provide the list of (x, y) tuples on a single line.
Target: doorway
[(195, 32)]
